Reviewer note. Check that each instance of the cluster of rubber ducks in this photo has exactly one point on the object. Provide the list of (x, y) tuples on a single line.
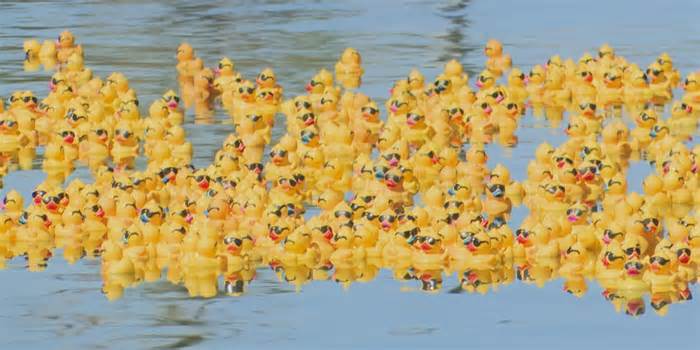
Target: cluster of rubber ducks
[(344, 192)]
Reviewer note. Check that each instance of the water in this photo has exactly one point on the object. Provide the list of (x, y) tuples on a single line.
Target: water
[(62, 307)]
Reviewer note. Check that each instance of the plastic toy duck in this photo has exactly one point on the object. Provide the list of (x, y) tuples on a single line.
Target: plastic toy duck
[(238, 250), (204, 259), (610, 265), (297, 249), (636, 90), (68, 140), (342, 242), (665, 61), (454, 71), (11, 139), (682, 122), (687, 266), (661, 274), (426, 166), (474, 249), (31, 54), (65, 47), (496, 61), (516, 90), (56, 166), (641, 135), (268, 80), (661, 140), (185, 54), (554, 93), (398, 248), (181, 149), (429, 252), (348, 69), (576, 260), (366, 128), (47, 53), (610, 92), (484, 82), (126, 147), (12, 205), (70, 228), (614, 141), (365, 243), (94, 225), (633, 282), (691, 87), (583, 87), (35, 228), (320, 83), (226, 76), (535, 84), (659, 84), (497, 204)]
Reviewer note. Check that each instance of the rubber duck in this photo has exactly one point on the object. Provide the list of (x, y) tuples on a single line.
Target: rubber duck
[(454, 71), (610, 265), (687, 266), (576, 260), (661, 274), (554, 93), (516, 90), (398, 248), (474, 250), (484, 82), (665, 61), (659, 84), (426, 166), (321, 83), (348, 69), (12, 140), (70, 227), (535, 84), (125, 148), (682, 121), (12, 205), (31, 49), (429, 252), (641, 135), (47, 53), (65, 46), (497, 204), (636, 90), (691, 90), (496, 61), (610, 93)]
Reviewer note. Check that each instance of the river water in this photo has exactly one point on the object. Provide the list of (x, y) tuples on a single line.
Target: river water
[(63, 308)]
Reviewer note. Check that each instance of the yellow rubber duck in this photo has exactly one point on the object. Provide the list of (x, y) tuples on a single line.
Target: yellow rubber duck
[(682, 121), (659, 84), (535, 85), (496, 61), (65, 46), (661, 274), (665, 61), (641, 135), (691, 90), (554, 93)]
